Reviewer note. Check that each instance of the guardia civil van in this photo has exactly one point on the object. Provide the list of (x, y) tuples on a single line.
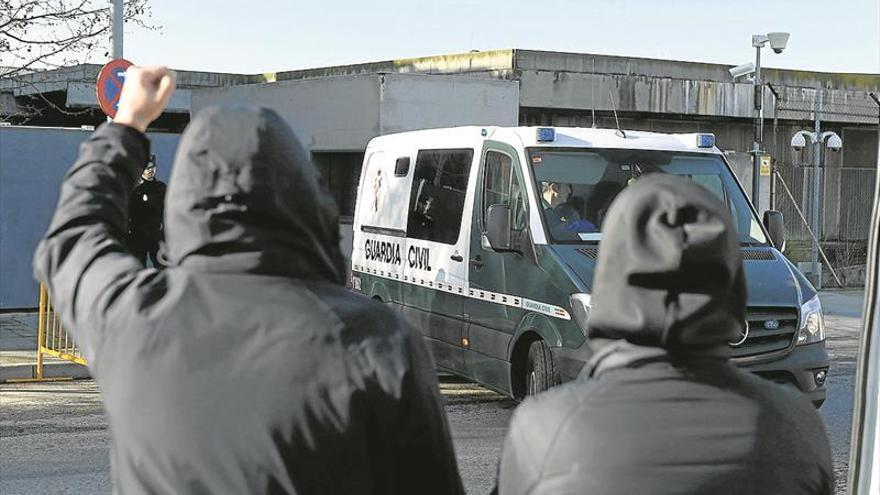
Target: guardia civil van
[(487, 237)]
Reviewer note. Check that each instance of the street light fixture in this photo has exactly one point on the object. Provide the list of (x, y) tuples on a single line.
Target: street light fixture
[(833, 142), (778, 41)]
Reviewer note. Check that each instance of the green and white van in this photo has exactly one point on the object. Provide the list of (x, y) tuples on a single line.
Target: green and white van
[(486, 238)]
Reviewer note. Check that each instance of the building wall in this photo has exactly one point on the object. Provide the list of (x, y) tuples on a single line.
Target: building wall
[(586, 81), (334, 114), (33, 161), (416, 101), (342, 113)]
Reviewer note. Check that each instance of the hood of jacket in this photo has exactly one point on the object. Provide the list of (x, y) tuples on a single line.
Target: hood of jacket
[(669, 273), (244, 197)]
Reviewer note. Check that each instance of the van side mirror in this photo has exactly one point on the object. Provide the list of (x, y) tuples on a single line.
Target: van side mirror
[(775, 225), (498, 227)]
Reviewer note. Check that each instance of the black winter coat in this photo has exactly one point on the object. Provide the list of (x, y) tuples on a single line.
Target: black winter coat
[(245, 367), (667, 427), (659, 409), (145, 209)]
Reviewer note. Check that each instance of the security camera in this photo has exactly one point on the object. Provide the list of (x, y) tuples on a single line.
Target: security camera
[(834, 143), (742, 70), (778, 41), (798, 142)]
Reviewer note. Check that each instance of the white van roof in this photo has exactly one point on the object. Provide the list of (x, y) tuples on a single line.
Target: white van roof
[(564, 137)]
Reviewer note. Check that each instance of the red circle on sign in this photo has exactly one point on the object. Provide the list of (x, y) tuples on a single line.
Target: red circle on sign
[(109, 86)]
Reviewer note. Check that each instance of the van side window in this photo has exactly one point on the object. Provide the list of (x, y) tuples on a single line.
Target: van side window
[(437, 199), (501, 187)]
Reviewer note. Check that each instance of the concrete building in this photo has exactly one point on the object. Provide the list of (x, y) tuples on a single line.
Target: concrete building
[(336, 110)]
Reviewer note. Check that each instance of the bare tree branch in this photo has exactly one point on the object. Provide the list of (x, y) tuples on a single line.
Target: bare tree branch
[(40, 35)]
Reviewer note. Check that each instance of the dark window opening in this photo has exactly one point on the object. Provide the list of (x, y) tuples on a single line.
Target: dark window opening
[(339, 176), (438, 190)]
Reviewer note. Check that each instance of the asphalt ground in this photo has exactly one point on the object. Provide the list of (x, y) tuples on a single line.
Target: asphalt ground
[(54, 436)]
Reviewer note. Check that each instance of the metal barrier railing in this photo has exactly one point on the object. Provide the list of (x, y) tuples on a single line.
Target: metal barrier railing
[(52, 339)]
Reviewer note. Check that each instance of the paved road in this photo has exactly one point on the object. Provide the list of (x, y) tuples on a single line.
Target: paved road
[(54, 438)]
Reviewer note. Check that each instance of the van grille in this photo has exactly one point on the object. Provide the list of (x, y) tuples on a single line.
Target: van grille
[(763, 340), (747, 254), (757, 255)]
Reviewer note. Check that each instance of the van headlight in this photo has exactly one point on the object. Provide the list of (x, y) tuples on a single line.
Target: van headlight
[(812, 322), (581, 304)]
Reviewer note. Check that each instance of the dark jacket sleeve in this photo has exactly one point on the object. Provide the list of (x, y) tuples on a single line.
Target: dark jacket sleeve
[(83, 259), (426, 458)]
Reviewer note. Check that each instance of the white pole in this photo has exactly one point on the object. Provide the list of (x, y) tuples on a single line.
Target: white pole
[(817, 184), (116, 19)]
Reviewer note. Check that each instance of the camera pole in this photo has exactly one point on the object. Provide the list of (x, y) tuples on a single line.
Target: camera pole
[(817, 153)]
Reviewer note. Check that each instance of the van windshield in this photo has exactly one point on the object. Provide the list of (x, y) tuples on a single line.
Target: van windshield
[(578, 186)]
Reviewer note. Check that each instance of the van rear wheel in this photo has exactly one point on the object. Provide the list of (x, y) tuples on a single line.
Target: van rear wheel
[(541, 373)]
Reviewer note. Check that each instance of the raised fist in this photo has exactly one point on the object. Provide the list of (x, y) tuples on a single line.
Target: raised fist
[(144, 96)]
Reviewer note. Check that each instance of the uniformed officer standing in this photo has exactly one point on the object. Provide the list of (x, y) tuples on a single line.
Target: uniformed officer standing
[(145, 221)]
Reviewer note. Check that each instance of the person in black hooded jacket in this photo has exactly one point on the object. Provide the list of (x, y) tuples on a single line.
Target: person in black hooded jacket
[(245, 367), (146, 205), (659, 409)]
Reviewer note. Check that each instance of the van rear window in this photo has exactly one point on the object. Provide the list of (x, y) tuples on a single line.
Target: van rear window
[(437, 199)]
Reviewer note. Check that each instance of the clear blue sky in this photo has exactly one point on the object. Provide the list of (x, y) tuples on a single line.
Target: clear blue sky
[(272, 35)]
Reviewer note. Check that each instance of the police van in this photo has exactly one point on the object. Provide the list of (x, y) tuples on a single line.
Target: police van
[(487, 237)]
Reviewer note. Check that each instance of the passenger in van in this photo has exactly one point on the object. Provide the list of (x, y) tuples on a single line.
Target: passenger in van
[(424, 202), (572, 218), (659, 409), (565, 220), (245, 366)]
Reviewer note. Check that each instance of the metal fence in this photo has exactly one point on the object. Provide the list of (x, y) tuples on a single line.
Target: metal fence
[(52, 340), (845, 198), (856, 200), (52, 337)]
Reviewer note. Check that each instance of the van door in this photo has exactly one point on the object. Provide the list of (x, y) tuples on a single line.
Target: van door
[(497, 280), (435, 270)]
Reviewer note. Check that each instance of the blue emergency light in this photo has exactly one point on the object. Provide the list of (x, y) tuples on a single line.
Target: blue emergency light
[(705, 140), (546, 134)]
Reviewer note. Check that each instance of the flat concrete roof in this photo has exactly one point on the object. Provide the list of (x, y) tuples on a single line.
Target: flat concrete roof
[(504, 63), (509, 63)]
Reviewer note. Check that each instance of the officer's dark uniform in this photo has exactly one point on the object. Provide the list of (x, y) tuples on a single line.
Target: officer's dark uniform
[(145, 222)]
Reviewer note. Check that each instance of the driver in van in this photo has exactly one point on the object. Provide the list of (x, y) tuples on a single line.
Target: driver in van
[(549, 201), (564, 217), (659, 408)]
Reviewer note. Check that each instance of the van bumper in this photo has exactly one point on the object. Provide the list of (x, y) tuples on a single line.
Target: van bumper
[(799, 369)]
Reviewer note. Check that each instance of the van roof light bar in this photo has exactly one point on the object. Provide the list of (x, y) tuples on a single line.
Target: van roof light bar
[(705, 140), (545, 135)]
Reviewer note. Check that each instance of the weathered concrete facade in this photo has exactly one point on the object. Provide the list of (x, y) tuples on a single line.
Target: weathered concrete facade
[(337, 110), (342, 113), (570, 89)]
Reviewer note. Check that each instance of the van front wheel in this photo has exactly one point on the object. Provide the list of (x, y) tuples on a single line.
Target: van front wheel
[(541, 373)]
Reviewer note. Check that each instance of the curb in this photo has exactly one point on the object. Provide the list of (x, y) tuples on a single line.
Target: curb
[(50, 370)]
